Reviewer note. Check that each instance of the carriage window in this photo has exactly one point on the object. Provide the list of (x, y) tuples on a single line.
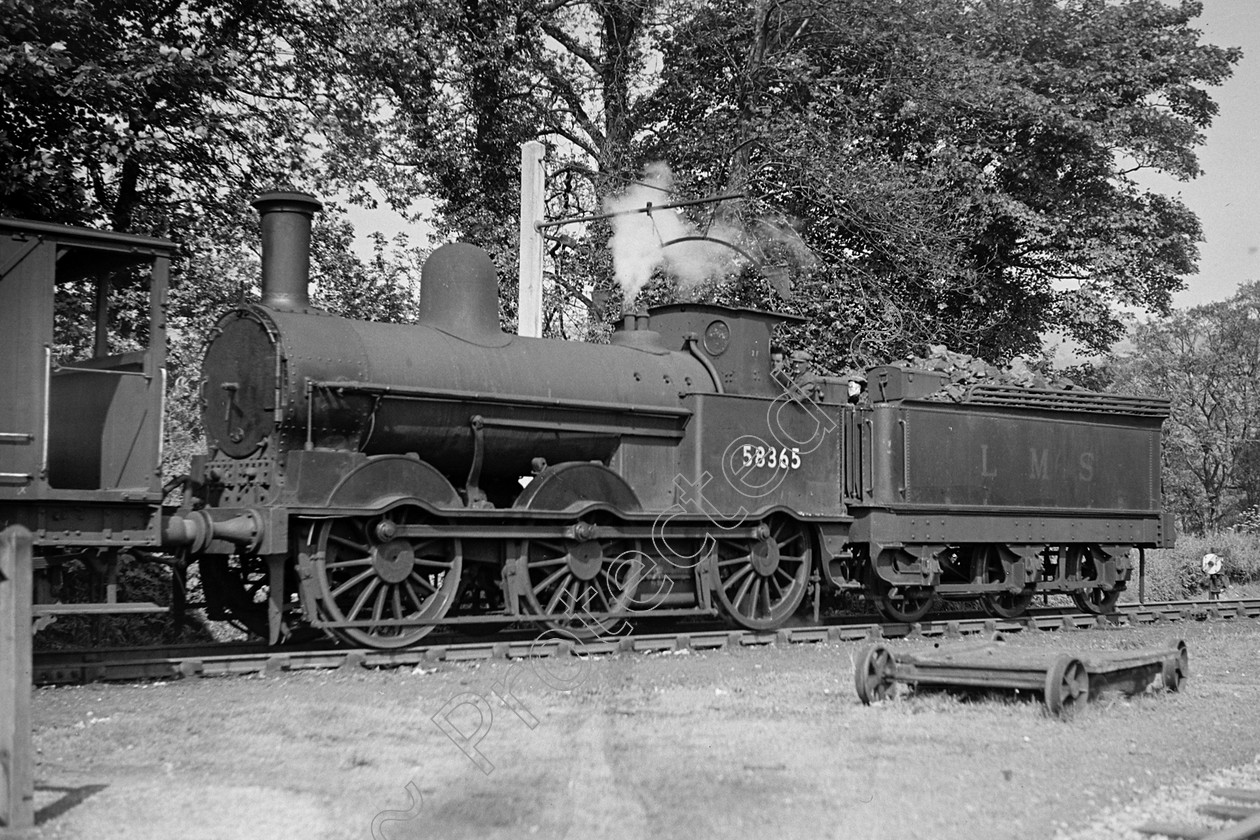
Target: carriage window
[(100, 310), (103, 387)]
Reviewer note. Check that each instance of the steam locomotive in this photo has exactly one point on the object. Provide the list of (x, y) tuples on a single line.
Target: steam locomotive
[(378, 480)]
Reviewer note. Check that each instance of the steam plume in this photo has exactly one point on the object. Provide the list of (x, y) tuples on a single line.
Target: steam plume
[(638, 238)]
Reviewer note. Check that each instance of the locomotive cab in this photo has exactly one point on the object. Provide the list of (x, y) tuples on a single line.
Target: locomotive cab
[(733, 343)]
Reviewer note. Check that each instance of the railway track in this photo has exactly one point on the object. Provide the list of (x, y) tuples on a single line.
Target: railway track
[(225, 659), (1240, 807)]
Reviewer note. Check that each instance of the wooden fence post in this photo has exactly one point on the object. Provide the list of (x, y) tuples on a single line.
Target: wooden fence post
[(17, 779)]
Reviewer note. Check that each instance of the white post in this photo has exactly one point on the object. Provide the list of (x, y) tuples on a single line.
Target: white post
[(529, 306), (17, 779)]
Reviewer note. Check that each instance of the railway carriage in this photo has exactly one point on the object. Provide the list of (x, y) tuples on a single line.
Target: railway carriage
[(379, 480), (82, 413)]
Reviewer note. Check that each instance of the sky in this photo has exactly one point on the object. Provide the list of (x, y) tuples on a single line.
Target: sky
[(1226, 197)]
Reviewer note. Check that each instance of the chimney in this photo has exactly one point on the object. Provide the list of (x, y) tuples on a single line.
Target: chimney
[(286, 247), (459, 295)]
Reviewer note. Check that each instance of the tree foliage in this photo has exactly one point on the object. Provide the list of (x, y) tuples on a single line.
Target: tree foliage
[(963, 169), (167, 118), (141, 115), (1206, 360)]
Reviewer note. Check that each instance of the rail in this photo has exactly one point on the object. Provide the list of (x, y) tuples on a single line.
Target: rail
[(1247, 815), (229, 660)]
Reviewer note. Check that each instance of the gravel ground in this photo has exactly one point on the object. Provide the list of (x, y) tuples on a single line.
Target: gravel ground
[(1171, 805), (744, 743)]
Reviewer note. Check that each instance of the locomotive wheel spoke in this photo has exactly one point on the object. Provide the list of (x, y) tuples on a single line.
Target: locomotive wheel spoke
[(762, 582), (378, 608), (343, 564), (546, 584), (749, 579), (354, 545), (411, 594), (389, 583), (352, 583), (575, 578), (362, 600), (436, 565), (559, 594), (424, 583), (741, 572)]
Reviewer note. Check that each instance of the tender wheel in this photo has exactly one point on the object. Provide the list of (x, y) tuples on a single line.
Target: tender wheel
[(580, 578), (761, 582), (1095, 600), (905, 604), (1008, 604), (1002, 604), (872, 676), (1067, 686), (367, 574)]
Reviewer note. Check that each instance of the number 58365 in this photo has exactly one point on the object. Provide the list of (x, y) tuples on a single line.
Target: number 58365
[(768, 456)]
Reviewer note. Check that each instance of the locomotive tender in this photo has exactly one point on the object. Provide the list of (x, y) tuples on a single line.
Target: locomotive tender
[(379, 480)]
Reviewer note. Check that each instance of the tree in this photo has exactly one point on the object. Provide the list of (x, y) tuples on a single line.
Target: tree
[(435, 99), (1206, 360), (140, 115), (962, 169), (167, 118)]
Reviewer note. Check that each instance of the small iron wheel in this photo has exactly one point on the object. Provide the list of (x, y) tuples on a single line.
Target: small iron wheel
[(580, 578), (1175, 670), (1067, 685), (1003, 604), (365, 573), (872, 676), (761, 582)]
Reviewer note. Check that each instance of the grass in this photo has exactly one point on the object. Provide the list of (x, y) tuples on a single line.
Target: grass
[(1176, 573)]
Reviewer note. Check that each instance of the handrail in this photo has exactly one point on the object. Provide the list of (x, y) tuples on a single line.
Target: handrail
[(416, 392), (58, 368)]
